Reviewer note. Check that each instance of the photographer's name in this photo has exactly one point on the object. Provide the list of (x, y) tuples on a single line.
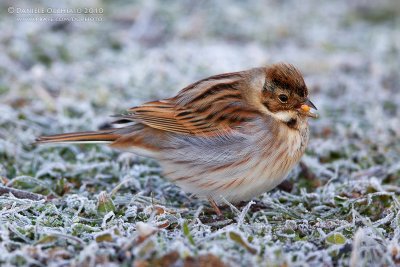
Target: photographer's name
[(58, 10)]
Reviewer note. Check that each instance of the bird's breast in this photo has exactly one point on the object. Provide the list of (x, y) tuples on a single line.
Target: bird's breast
[(237, 167), (279, 157)]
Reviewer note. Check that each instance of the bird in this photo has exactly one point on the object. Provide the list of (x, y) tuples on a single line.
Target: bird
[(228, 137)]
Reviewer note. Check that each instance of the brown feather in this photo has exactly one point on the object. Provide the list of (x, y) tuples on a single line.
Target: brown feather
[(93, 136), (198, 108)]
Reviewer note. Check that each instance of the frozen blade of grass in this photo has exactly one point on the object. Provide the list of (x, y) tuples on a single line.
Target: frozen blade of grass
[(19, 234), (15, 210), (20, 193), (106, 218), (236, 237), (389, 217), (49, 169), (243, 213), (232, 207), (29, 181), (197, 213), (220, 223), (186, 232), (86, 227), (74, 239), (115, 189), (281, 209)]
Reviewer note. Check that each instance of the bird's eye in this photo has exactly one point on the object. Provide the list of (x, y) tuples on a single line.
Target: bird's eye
[(283, 98)]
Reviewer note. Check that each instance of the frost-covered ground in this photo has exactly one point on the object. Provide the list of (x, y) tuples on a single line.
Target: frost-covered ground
[(104, 207)]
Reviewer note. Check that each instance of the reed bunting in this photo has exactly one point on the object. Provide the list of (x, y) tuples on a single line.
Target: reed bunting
[(232, 136)]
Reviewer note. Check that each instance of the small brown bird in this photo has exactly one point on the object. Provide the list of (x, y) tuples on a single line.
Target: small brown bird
[(232, 136)]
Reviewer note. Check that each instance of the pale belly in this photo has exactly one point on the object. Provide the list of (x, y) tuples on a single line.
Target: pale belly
[(237, 177)]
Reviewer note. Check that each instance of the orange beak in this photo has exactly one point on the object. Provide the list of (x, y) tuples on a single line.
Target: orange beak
[(306, 107)]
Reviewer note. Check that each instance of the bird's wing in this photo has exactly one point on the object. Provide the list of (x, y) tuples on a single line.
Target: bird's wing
[(212, 106)]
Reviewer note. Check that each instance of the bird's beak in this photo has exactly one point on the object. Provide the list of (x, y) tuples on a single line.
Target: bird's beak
[(306, 107), (311, 104)]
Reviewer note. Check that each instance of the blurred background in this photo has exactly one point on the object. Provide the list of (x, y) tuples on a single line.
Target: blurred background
[(68, 65)]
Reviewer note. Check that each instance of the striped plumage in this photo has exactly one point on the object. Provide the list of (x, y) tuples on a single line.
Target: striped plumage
[(233, 135)]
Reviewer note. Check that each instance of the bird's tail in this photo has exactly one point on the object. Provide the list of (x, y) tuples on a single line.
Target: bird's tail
[(103, 136)]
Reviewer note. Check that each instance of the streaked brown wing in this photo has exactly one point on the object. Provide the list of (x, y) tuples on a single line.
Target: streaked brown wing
[(212, 106)]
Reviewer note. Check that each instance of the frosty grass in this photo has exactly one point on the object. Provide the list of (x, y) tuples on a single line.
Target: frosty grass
[(112, 208)]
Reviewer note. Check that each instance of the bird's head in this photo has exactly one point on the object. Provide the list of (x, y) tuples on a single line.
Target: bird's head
[(284, 94)]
